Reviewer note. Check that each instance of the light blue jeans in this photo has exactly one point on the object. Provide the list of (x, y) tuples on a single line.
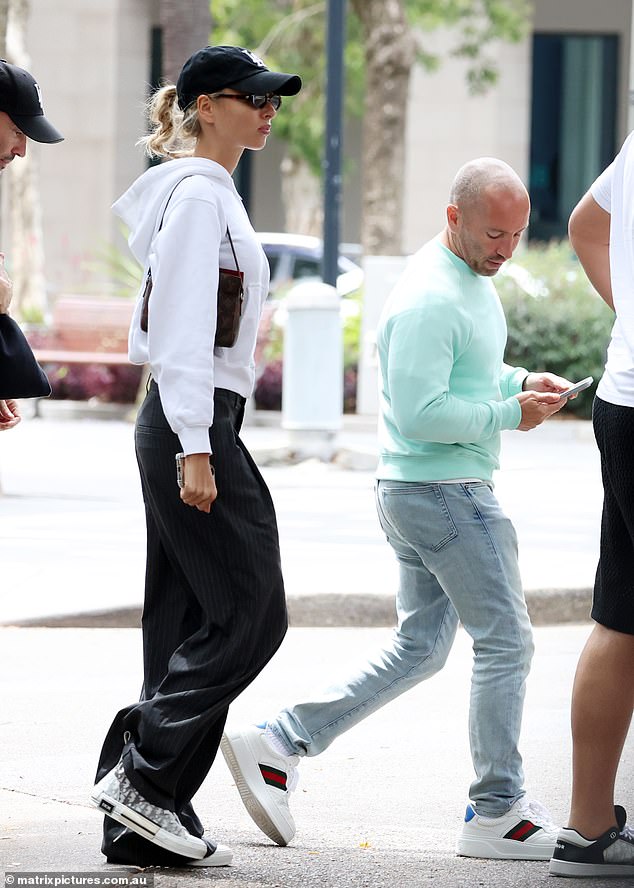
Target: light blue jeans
[(457, 555)]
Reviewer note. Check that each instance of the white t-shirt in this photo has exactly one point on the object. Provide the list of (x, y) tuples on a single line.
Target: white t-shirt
[(614, 192)]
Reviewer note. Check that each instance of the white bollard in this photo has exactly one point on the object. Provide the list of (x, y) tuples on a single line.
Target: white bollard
[(380, 275), (312, 383)]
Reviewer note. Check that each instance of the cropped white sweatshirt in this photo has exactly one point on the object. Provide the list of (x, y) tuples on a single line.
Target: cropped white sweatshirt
[(184, 257)]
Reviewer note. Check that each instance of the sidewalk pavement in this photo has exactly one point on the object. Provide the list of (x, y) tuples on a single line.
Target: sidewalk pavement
[(72, 526), (381, 808)]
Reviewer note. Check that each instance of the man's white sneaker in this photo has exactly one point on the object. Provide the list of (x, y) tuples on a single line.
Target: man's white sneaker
[(116, 797), (264, 779), (525, 832)]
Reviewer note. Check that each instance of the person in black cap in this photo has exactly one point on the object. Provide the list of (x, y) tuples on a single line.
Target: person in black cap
[(214, 610), (21, 113), (21, 117)]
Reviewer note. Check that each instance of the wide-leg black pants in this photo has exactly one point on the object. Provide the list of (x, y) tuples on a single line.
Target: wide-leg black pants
[(214, 614)]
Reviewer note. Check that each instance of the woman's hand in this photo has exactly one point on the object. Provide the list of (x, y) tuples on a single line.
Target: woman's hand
[(9, 415), (199, 483)]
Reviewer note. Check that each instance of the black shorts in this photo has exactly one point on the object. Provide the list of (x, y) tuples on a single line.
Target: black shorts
[(613, 604)]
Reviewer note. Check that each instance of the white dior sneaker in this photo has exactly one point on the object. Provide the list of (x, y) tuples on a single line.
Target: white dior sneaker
[(116, 797)]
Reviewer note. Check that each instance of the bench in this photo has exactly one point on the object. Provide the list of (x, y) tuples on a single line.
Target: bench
[(92, 332), (86, 331)]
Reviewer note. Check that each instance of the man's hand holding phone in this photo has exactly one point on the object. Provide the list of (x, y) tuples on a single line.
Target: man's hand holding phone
[(574, 390), (536, 407)]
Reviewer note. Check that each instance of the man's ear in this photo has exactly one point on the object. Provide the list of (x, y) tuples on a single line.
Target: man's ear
[(452, 216)]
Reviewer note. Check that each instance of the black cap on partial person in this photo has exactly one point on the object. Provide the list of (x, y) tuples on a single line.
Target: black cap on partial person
[(215, 68), (21, 99)]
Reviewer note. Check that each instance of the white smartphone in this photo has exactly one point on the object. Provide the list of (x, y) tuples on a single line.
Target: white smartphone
[(577, 387)]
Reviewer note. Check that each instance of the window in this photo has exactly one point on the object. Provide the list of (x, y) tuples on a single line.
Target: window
[(306, 268), (573, 123)]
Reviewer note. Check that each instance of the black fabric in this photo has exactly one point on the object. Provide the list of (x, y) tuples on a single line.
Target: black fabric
[(613, 604), (214, 614), (20, 374)]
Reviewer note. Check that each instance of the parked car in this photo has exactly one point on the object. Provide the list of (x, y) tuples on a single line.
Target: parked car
[(295, 257)]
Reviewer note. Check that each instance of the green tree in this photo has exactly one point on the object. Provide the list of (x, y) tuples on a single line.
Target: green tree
[(385, 38)]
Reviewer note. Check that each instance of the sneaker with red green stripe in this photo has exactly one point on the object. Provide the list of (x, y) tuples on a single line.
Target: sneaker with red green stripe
[(264, 779), (525, 832)]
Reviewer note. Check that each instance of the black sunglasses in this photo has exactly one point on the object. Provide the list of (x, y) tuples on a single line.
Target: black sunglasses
[(255, 101)]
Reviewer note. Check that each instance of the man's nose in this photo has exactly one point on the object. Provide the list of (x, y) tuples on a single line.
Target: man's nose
[(20, 146), (506, 247)]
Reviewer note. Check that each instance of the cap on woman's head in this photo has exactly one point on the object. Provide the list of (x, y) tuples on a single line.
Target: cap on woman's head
[(21, 99), (215, 68)]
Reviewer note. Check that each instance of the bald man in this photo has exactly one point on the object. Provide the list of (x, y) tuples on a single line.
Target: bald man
[(445, 397)]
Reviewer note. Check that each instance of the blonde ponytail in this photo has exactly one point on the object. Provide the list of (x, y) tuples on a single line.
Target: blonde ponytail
[(173, 133)]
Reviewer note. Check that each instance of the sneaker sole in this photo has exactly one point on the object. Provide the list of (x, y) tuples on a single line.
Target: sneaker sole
[(231, 749), (147, 829), (222, 856), (503, 849), (607, 870)]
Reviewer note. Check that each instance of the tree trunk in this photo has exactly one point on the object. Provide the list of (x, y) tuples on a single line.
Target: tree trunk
[(26, 255), (301, 194), (390, 53), (4, 17), (186, 28)]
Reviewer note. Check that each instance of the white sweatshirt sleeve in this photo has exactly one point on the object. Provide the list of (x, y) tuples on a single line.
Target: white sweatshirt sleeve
[(182, 315)]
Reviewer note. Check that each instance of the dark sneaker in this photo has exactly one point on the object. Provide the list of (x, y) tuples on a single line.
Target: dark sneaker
[(116, 797), (611, 855), (264, 779), (525, 832)]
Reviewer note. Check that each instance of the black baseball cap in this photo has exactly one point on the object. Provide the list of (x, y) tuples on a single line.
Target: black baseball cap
[(215, 68), (21, 99)]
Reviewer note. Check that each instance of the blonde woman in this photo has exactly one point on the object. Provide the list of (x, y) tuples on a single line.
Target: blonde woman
[(214, 610)]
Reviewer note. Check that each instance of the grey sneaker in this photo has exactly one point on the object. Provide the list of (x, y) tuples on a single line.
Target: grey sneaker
[(221, 856), (116, 797), (611, 855)]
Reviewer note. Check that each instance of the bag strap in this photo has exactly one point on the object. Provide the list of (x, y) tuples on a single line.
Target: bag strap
[(235, 258), (147, 290)]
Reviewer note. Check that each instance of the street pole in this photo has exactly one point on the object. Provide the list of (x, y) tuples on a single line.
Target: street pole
[(332, 159)]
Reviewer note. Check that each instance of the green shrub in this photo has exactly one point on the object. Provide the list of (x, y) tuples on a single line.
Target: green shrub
[(556, 321)]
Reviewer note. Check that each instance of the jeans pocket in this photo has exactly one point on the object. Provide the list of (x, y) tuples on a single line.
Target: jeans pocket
[(419, 513)]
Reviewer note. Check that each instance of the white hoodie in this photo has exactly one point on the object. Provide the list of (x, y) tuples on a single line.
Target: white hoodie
[(184, 257)]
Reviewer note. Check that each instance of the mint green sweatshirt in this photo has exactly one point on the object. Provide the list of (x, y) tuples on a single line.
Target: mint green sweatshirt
[(445, 392)]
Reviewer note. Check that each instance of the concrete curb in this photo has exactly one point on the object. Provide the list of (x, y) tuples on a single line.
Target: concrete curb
[(546, 607)]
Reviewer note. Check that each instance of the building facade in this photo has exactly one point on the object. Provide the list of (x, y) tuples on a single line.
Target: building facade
[(557, 114)]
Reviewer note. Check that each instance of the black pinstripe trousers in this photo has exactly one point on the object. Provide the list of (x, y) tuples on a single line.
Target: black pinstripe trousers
[(214, 614)]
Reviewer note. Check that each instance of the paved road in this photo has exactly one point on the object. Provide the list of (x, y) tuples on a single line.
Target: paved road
[(72, 528), (380, 809)]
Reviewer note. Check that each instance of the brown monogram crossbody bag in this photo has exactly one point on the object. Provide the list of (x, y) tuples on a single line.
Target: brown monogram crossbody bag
[(230, 295)]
